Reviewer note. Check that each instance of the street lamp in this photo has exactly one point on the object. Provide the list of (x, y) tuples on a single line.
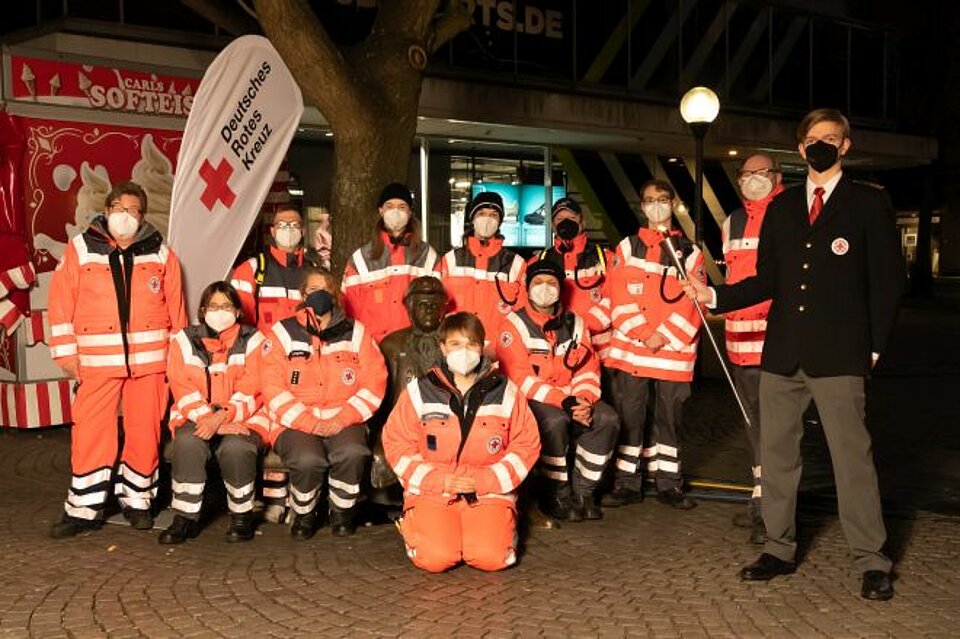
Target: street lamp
[(699, 107)]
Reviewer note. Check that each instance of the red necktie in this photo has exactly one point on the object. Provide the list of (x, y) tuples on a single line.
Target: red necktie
[(817, 205)]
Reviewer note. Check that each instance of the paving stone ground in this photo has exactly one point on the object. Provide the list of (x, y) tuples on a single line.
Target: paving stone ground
[(644, 571)]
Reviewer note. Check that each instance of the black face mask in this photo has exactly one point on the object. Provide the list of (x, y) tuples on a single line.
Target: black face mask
[(567, 229), (822, 155), (320, 301)]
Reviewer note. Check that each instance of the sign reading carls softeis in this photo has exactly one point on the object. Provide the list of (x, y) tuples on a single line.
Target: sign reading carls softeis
[(243, 117)]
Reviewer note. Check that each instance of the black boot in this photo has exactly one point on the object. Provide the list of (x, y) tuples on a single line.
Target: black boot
[(621, 497), (303, 527), (179, 531), (556, 505), (575, 511), (590, 509), (140, 519), (241, 527), (72, 526), (675, 498), (343, 523)]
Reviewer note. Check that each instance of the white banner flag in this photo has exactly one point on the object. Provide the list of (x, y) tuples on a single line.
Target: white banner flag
[(243, 117)]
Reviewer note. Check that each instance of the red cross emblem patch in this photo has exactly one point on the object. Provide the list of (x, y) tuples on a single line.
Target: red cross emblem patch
[(348, 376), (217, 189)]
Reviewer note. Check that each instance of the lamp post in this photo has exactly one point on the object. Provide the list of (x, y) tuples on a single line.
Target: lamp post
[(699, 107)]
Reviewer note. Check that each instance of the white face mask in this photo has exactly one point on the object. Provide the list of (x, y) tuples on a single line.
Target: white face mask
[(544, 295), (485, 226), (122, 225), (288, 238), (395, 219), (756, 187), (219, 320), (657, 212), (463, 361)]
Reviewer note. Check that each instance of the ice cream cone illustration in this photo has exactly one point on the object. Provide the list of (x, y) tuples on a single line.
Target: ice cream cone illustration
[(84, 82), (54, 84), (28, 78)]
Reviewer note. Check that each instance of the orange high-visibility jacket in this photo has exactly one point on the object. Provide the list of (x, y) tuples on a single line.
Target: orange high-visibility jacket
[(338, 376), (373, 290), (483, 278), (277, 295), (208, 371), (745, 328), (647, 297), (434, 431), (549, 358), (113, 311)]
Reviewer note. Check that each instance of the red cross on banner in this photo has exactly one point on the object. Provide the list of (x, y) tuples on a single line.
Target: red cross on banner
[(217, 190)]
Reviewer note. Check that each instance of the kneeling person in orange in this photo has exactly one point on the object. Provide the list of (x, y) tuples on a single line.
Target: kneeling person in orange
[(214, 394), (115, 298), (461, 439), (323, 378)]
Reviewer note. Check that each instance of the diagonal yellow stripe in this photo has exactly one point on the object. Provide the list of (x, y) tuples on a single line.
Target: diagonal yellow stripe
[(589, 195), (616, 41)]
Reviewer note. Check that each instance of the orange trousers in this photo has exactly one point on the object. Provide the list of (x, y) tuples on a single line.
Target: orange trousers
[(93, 448), (439, 535)]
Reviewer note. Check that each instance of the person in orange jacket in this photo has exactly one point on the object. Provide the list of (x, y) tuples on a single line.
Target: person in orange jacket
[(546, 350), (214, 394), (461, 439), (378, 273), (269, 284), (323, 378), (481, 276), (654, 343), (115, 298), (759, 183)]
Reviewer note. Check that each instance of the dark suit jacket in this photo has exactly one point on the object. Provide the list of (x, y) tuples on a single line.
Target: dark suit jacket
[(835, 286)]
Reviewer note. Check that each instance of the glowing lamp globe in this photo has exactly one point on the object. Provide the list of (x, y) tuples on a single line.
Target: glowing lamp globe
[(699, 105)]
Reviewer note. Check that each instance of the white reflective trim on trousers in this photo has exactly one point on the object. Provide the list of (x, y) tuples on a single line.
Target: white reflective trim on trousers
[(239, 507), (631, 451), (303, 497), (239, 492), (341, 502), (552, 474), (280, 400), (503, 477), (135, 478), (63, 350), (629, 467), (116, 339), (87, 499), (188, 399), (667, 451), (516, 463), (756, 471), (592, 475), (92, 479), (668, 466), (187, 488), (185, 506), (593, 458), (61, 330), (350, 489), (757, 492), (746, 326), (138, 503), (80, 513), (146, 357), (554, 461), (275, 493)]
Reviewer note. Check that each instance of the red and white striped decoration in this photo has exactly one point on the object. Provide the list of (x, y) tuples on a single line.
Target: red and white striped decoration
[(37, 327), (10, 317), (35, 404), (19, 277)]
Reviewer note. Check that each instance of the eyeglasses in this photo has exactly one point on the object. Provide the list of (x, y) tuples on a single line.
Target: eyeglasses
[(763, 172), (288, 225), (116, 208), (222, 307), (835, 140), (661, 200)]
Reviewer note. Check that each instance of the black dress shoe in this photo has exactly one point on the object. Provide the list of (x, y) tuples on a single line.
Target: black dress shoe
[(621, 497), (343, 523), (241, 527), (556, 507), (303, 527), (766, 568), (179, 531), (675, 498), (575, 510), (72, 526), (589, 508), (139, 518), (876, 585)]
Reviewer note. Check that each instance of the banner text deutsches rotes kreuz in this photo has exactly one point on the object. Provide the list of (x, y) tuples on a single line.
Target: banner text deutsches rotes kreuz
[(246, 133)]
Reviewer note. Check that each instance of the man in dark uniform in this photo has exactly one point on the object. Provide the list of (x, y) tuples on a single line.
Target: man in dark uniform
[(829, 258)]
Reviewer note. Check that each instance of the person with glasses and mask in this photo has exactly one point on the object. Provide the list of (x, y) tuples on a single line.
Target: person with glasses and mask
[(482, 277), (545, 349), (654, 347), (322, 378), (829, 259), (214, 396), (115, 299), (378, 273), (759, 182), (269, 284), (461, 439)]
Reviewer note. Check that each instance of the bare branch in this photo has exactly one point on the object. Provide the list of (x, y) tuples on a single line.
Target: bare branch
[(226, 15), (325, 77), (455, 19)]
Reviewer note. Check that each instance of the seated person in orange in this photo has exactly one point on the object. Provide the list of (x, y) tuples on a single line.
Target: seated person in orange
[(461, 439)]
